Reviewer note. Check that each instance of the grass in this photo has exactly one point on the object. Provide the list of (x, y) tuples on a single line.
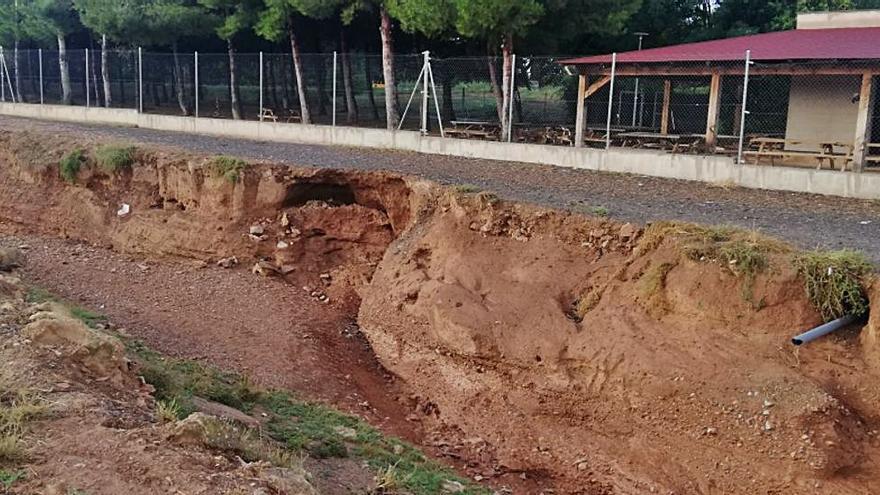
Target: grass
[(467, 188), (300, 427), (587, 302), (168, 411), (227, 167), (112, 158), (833, 281), (652, 284), (18, 407), (90, 318), (599, 211), (70, 165)]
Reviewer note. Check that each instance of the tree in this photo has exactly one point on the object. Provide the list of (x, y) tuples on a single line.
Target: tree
[(498, 22), (16, 24), (168, 22), (56, 18), (235, 16)]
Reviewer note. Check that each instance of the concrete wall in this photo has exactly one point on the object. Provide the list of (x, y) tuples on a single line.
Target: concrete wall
[(841, 19), (706, 168), (821, 108)]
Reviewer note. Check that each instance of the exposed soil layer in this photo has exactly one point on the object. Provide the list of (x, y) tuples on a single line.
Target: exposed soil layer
[(533, 345), (807, 220)]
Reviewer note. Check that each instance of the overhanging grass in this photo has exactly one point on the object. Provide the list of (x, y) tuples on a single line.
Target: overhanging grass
[(90, 318), (833, 281), (112, 158), (70, 165), (227, 167)]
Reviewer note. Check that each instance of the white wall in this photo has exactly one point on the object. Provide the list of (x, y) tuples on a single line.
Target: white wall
[(821, 108), (839, 19), (706, 168)]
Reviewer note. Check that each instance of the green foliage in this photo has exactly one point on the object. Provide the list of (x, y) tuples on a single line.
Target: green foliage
[(9, 478), (228, 167), (70, 165), (234, 16), (300, 427), (112, 158), (496, 19), (833, 281), (431, 18), (168, 411)]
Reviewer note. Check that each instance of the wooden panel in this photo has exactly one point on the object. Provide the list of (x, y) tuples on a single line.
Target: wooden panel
[(664, 117), (596, 86), (580, 114), (712, 117)]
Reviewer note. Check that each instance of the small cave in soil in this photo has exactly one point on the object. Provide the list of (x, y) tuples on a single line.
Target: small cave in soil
[(333, 194)]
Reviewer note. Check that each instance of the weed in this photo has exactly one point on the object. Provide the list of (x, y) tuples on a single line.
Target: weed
[(9, 478), (389, 479), (70, 165), (467, 188), (113, 157), (90, 318), (587, 302), (168, 411), (227, 167), (599, 211), (833, 281), (17, 408), (652, 284)]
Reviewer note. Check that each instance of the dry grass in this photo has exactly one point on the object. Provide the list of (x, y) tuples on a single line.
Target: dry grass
[(587, 302), (168, 411), (833, 281), (652, 285), (18, 406)]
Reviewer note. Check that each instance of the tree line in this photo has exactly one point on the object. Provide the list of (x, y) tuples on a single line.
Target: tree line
[(491, 28)]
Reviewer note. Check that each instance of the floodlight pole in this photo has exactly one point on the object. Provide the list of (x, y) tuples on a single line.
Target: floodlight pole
[(196, 83), (261, 86), (636, 92), (140, 80), (427, 60), (610, 101), (334, 89), (510, 99), (40, 57), (2, 77), (742, 117), (88, 96)]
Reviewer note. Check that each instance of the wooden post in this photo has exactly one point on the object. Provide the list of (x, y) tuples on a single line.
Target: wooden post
[(581, 113), (863, 122), (712, 116), (664, 117)]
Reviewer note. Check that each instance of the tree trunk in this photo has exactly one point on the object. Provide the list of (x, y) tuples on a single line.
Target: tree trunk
[(178, 81), (233, 86), (285, 86), (507, 73), (496, 88), (447, 110), (368, 75), (323, 101), (64, 69), (347, 83), (305, 114), (95, 88), (392, 114), (105, 73), (273, 89), (16, 67)]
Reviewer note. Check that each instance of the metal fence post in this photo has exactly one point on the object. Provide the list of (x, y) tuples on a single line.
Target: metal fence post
[(2, 77), (196, 83), (88, 90), (610, 101), (140, 80), (426, 60), (334, 89), (40, 57), (261, 86), (510, 103), (742, 117)]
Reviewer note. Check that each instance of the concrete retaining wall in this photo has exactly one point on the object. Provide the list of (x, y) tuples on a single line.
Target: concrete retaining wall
[(705, 168)]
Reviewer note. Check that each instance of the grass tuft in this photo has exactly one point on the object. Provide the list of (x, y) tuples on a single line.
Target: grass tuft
[(112, 158), (466, 188), (17, 407), (652, 285), (168, 411), (227, 167), (9, 478), (833, 281), (70, 165)]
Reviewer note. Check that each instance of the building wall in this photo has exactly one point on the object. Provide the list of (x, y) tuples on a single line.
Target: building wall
[(847, 19), (821, 109)]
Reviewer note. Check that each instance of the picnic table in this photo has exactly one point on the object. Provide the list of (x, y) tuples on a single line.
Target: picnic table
[(474, 129), (772, 148), (656, 140)]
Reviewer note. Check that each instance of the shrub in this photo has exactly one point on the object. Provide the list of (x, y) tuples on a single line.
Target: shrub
[(833, 281), (168, 411), (113, 157), (70, 165), (466, 188), (227, 167)]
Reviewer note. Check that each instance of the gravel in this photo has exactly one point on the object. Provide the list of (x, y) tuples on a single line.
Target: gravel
[(807, 220)]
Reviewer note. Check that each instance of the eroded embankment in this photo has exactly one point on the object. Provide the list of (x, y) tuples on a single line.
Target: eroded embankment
[(599, 357)]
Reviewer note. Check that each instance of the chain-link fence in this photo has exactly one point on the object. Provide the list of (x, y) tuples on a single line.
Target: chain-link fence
[(777, 112)]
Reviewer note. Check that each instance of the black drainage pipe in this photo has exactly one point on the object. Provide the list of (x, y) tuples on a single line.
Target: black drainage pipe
[(824, 329)]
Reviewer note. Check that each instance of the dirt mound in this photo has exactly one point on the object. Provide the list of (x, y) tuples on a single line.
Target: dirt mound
[(579, 354)]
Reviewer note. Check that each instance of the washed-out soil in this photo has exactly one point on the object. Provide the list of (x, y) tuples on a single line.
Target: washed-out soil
[(458, 320)]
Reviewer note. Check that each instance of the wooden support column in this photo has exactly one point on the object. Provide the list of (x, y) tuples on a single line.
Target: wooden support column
[(863, 122), (664, 117), (580, 115), (712, 114)]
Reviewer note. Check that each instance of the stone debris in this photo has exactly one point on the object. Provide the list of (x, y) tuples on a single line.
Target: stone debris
[(265, 269), (227, 262)]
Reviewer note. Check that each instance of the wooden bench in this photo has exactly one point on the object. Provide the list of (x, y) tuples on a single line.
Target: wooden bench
[(474, 129), (268, 114), (779, 148)]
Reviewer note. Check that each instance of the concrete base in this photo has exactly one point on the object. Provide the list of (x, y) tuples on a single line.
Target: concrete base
[(705, 168)]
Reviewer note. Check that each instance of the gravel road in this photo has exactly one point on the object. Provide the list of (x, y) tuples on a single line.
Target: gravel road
[(807, 220)]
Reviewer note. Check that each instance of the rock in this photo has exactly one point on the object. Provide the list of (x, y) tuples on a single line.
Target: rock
[(227, 262), (288, 481), (257, 230), (282, 245), (295, 232), (627, 231), (452, 486), (225, 412), (200, 429), (10, 258), (285, 222), (265, 269), (346, 432)]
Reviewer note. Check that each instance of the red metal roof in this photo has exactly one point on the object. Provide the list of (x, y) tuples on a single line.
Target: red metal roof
[(797, 44)]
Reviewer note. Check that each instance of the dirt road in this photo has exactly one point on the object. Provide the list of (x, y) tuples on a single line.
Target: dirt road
[(809, 221)]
